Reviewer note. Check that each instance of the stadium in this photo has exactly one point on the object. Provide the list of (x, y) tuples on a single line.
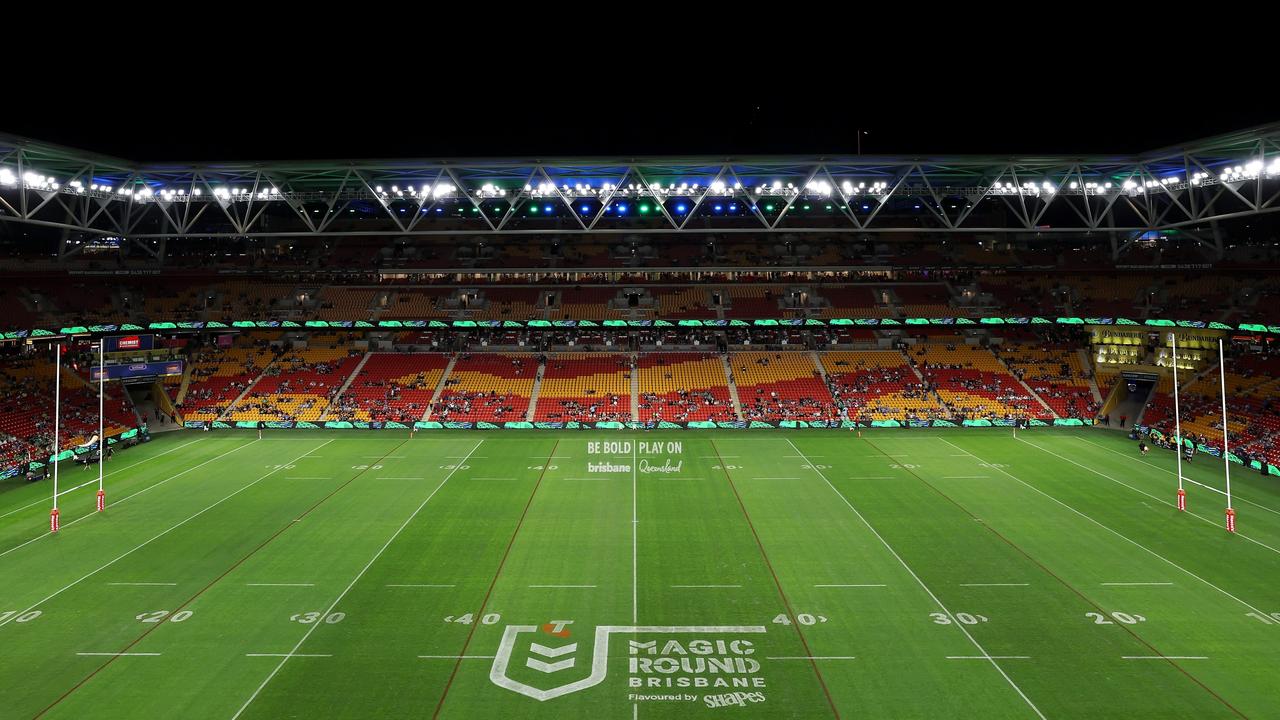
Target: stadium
[(780, 436)]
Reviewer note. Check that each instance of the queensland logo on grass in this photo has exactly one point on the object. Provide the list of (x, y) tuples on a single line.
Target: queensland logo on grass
[(548, 661)]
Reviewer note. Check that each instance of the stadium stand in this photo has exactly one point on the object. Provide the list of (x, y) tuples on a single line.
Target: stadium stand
[(971, 382), (491, 388), (1054, 372), (585, 387), (928, 300), (300, 384), (878, 385), (392, 386), (751, 301), (780, 386), (26, 404), (683, 387), (219, 375)]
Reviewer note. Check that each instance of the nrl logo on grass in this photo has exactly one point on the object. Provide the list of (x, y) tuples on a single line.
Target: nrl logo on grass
[(546, 662)]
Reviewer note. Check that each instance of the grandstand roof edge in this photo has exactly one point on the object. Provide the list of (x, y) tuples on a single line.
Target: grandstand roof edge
[(1224, 141)]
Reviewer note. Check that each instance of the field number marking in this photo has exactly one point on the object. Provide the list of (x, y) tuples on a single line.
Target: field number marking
[(802, 618), (726, 467), (156, 616), (961, 617), (1265, 620), (308, 618), (19, 616), (366, 467), (281, 467), (816, 467), (488, 619), (903, 466), (451, 467), (1126, 618), (546, 467)]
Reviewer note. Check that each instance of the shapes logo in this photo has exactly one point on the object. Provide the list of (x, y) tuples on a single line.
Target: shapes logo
[(544, 666)]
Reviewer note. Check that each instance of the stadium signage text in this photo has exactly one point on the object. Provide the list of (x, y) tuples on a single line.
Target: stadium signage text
[(649, 457)]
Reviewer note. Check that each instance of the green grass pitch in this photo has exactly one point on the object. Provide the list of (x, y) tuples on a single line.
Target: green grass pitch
[(803, 574)]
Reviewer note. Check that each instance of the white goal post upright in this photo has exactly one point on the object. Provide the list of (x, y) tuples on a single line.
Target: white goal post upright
[(102, 436), (1177, 424), (1226, 460), (57, 407)]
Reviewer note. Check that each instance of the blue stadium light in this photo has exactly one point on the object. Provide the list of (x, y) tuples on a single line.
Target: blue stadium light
[(585, 209), (733, 207), (547, 208), (719, 208), (622, 208), (681, 208)]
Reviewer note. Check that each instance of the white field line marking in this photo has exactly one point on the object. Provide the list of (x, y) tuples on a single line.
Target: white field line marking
[(422, 586), (775, 478), (1164, 657), (810, 657), (280, 584), (849, 586), (409, 478), (392, 457), (1144, 492), (706, 586), (874, 477), (476, 478), (144, 584), (126, 497), (1117, 533), (1121, 584), (117, 654), (308, 478), (454, 457), (967, 477), (456, 657), (1235, 496), (995, 584), (562, 586), (282, 655), (346, 590), (145, 543), (959, 626), (95, 480), (985, 657)]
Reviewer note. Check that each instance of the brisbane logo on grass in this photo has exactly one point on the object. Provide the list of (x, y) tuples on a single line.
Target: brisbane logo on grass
[(557, 658)]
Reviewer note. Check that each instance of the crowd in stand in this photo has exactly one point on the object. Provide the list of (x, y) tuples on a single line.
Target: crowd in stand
[(686, 404), (462, 404)]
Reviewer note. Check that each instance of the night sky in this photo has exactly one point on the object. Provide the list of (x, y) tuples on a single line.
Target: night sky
[(549, 116)]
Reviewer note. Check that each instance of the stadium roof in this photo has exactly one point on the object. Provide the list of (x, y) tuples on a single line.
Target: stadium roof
[(1178, 188)]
